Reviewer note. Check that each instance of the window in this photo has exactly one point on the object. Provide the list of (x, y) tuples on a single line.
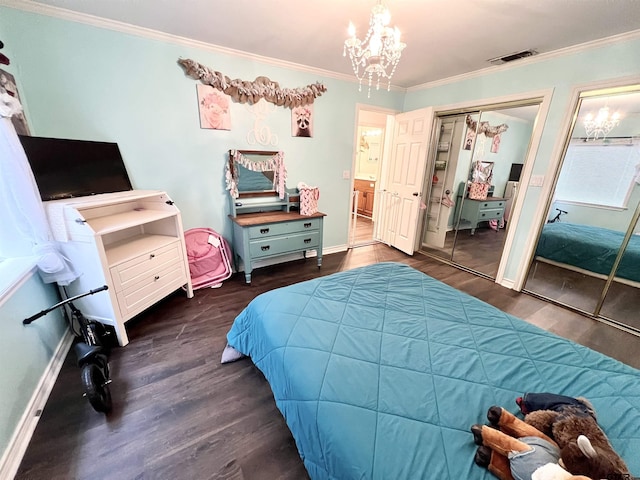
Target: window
[(600, 174)]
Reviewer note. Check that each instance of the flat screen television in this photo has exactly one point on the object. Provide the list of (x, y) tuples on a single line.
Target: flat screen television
[(66, 168), (516, 171)]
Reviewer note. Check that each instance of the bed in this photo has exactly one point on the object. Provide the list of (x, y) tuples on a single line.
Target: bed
[(590, 250), (381, 370)]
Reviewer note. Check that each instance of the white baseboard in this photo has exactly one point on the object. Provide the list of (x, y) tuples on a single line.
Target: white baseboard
[(508, 283), (19, 442)]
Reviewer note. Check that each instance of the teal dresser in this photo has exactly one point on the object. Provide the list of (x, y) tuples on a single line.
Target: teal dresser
[(265, 235), (476, 211)]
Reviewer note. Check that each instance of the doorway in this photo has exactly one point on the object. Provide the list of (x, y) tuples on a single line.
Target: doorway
[(473, 183), (370, 143)]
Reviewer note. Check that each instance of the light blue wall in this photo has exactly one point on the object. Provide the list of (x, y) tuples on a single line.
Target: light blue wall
[(25, 351), (513, 147), (83, 82), (562, 74)]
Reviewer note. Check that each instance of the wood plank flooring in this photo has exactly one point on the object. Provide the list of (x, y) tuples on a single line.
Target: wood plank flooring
[(179, 414)]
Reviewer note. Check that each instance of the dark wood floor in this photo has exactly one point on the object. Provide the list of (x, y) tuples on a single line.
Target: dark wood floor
[(179, 414), (480, 252), (364, 231)]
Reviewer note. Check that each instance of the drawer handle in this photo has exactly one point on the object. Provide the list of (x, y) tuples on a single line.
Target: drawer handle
[(307, 240), (264, 230), (265, 248), (307, 225), (483, 214), (153, 255), (157, 277)]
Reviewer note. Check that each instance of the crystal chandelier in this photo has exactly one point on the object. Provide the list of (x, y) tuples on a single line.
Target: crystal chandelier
[(378, 54), (601, 125)]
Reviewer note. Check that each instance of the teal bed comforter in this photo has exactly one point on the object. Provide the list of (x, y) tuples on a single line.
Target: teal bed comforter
[(590, 248), (380, 371)]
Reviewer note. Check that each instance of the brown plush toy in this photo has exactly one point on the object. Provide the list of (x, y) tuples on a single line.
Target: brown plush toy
[(559, 440), (565, 419), (510, 448)]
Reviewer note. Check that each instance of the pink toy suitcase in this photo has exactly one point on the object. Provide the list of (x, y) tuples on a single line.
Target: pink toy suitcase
[(209, 257)]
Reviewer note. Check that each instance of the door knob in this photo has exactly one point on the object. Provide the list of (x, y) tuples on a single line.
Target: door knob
[(415, 194)]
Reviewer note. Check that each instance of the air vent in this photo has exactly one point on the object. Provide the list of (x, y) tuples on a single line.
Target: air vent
[(512, 56)]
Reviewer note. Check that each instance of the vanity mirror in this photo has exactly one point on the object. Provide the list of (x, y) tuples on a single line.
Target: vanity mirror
[(256, 173), (587, 256)]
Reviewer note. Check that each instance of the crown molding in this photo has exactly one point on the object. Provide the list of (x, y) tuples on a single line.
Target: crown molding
[(582, 47), (114, 25), (121, 27)]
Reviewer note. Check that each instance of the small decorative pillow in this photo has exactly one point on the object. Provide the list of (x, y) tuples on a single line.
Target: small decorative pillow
[(230, 354)]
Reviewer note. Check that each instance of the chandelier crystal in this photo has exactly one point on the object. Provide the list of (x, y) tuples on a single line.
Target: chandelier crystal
[(376, 56), (601, 125)]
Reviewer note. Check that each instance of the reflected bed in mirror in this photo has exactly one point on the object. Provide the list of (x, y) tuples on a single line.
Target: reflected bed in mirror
[(255, 182), (590, 250), (589, 260)]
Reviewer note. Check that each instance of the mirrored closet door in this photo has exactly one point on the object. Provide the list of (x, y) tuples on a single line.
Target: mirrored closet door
[(474, 182), (587, 256)]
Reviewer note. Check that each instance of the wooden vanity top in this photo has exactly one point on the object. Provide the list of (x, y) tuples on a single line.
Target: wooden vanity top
[(249, 219)]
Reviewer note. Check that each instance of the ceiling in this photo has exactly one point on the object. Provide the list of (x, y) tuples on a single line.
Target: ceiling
[(444, 37)]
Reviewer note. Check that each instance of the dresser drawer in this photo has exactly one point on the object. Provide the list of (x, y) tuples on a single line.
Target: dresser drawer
[(490, 214), (145, 266), (289, 243), (491, 204), (151, 288), (272, 229)]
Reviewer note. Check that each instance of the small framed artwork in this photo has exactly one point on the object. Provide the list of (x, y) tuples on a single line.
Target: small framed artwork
[(302, 121), (8, 86), (213, 106), (469, 139), (495, 143)]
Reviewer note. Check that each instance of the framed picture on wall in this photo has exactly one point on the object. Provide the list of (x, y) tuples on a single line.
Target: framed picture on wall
[(213, 106), (302, 121), (469, 139), (495, 143), (8, 86)]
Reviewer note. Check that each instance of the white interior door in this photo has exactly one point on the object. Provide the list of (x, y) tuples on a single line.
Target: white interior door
[(404, 182)]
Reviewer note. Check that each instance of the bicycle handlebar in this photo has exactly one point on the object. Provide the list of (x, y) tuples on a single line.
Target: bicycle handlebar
[(32, 318)]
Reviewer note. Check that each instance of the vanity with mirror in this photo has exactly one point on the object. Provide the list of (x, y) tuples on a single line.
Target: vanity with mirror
[(267, 224), (587, 256)]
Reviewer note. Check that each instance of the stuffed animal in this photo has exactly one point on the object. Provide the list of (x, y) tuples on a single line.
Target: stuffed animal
[(557, 432), (512, 449), (566, 418)]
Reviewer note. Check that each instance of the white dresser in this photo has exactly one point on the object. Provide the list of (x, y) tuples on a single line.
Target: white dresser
[(132, 241)]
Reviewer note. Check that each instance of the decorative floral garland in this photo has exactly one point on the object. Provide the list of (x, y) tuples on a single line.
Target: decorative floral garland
[(244, 91), (485, 128), (275, 163)]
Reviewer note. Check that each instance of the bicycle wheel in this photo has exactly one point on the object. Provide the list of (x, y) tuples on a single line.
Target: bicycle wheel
[(96, 388)]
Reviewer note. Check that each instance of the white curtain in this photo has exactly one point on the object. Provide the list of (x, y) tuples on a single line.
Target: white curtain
[(25, 230)]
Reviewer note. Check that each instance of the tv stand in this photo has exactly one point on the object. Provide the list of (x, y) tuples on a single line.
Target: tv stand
[(131, 241)]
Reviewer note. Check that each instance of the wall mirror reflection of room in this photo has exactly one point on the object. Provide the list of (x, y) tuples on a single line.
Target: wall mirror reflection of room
[(466, 232), (588, 254)]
